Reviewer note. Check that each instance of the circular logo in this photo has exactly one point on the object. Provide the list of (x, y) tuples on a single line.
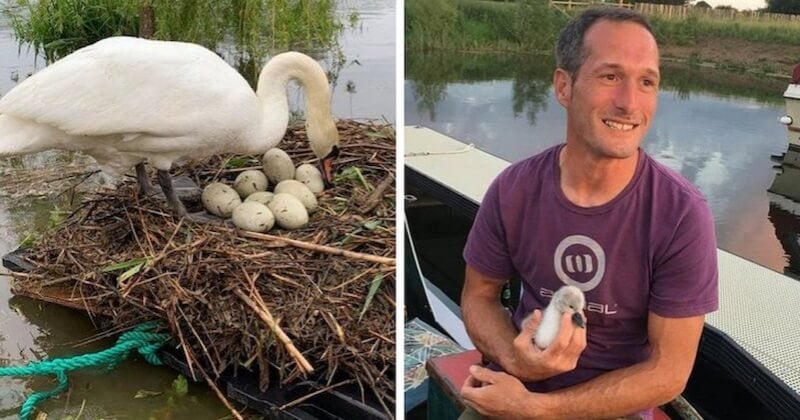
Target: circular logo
[(585, 257)]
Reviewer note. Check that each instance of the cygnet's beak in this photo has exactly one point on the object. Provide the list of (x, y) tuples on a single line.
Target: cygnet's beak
[(326, 166), (577, 319)]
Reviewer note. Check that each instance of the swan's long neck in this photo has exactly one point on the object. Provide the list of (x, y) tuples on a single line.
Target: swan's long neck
[(273, 81)]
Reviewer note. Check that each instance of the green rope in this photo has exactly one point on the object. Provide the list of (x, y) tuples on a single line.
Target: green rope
[(140, 338)]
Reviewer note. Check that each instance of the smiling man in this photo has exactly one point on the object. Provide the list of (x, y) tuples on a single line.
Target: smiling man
[(599, 214)]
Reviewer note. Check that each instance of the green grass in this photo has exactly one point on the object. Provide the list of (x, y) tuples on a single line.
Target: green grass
[(529, 25), (695, 29), (532, 26)]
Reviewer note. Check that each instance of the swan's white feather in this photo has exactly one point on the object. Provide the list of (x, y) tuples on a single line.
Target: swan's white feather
[(127, 99), (128, 85)]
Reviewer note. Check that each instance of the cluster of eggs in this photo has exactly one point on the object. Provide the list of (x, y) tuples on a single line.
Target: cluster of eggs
[(253, 208)]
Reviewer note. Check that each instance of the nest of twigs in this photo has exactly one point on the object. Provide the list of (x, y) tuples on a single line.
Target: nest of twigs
[(215, 287)]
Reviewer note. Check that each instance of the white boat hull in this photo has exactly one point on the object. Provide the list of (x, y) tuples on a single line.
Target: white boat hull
[(792, 96)]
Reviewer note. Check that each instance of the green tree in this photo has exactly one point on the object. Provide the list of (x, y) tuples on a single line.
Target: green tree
[(536, 24), (703, 5), (58, 27), (791, 7)]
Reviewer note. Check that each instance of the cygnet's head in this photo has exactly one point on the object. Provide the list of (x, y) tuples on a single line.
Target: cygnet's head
[(570, 299)]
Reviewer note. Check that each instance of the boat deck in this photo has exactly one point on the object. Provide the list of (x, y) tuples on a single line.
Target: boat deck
[(754, 333)]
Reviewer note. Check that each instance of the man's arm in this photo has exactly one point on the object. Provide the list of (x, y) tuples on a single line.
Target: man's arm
[(488, 323), (489, 326), (655, 381)]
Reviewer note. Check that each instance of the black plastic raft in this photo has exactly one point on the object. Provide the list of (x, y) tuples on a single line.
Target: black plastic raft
[(340, 403)]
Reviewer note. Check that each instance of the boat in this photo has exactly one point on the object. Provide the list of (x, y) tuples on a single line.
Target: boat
[(792, 117), (748, 363)]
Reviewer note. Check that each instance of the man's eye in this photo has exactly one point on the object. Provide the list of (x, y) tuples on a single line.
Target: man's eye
[(610, 77)]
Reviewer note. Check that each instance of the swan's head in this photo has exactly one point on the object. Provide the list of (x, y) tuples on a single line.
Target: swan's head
[(324, 139), (570, 299)]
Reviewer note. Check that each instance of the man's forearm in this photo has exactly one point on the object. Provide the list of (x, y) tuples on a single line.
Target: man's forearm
[(614, 394), (490, 328)]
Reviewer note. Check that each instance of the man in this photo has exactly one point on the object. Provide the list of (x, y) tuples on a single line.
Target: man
[(599, 214)]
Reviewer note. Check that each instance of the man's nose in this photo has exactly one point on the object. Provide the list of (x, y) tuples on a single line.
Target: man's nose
[(625, 97)]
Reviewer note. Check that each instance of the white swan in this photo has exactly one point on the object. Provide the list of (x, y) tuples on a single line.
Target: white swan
[(129, 100), (565, 299)]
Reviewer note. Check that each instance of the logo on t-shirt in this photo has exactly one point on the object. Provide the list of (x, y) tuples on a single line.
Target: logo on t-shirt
[(580, 261)]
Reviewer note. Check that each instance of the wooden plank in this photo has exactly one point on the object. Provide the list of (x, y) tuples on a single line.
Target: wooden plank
[(64, 297)]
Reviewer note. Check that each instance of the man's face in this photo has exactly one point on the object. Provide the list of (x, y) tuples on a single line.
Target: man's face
[(613, 98)]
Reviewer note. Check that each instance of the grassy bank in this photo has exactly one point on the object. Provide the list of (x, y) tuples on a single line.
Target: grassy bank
[(532, 26), (475, 25), (698, 29)]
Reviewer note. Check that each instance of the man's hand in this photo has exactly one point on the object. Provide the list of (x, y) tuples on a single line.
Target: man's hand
[(497, 394), (530, 363)]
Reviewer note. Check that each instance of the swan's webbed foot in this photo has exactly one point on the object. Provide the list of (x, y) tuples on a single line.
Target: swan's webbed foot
[(204, 217), (189, 190), (165, 180), (145, 187)]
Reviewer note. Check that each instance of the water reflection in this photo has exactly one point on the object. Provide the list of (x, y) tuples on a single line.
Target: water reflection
[(431, 74), (716, 128), (784, 207)]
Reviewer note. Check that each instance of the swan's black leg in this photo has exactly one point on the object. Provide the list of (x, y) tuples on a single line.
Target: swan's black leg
[(145, 188), (172, 198)]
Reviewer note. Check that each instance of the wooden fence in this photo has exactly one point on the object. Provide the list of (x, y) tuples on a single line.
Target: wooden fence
[(571, 4), (670, 11), (680, 12)]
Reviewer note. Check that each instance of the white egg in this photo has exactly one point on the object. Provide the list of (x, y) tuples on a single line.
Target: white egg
[(278, 165), (289, 212), (220, 199), (253, 216), (300, 191), (249, 182), (311, 176), (263, 197)]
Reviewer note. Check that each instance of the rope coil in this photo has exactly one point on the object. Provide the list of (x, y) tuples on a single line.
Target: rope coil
[(142, 338), (464, 149)]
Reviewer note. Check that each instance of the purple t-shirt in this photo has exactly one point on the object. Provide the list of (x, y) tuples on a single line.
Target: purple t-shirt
[(651, 248)]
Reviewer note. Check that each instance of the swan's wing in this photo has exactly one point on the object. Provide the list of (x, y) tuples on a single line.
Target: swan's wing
[(127, 85)]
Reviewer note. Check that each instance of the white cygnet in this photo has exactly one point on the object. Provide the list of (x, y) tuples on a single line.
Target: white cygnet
[(566, 299)]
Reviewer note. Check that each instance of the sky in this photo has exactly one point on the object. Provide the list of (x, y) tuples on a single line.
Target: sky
[(738, 4)]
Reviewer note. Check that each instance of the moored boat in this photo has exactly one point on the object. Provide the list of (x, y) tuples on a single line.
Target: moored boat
[(792, 117), (747, 365)]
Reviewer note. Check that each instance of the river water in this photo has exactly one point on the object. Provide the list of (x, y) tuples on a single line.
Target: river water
[(718, 129), (31, 330)]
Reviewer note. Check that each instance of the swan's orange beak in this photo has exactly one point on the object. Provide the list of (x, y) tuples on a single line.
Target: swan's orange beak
[(326, 166)]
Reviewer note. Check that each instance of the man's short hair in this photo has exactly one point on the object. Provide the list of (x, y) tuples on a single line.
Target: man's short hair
[(570, 52)]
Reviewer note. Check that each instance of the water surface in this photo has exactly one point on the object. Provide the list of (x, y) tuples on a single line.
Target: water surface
[(718, 129)]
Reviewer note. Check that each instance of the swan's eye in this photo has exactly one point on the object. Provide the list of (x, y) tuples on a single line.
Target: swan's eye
[(571, 307)]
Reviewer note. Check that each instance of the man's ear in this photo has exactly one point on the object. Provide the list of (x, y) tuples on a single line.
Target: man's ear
[(562, 83)]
